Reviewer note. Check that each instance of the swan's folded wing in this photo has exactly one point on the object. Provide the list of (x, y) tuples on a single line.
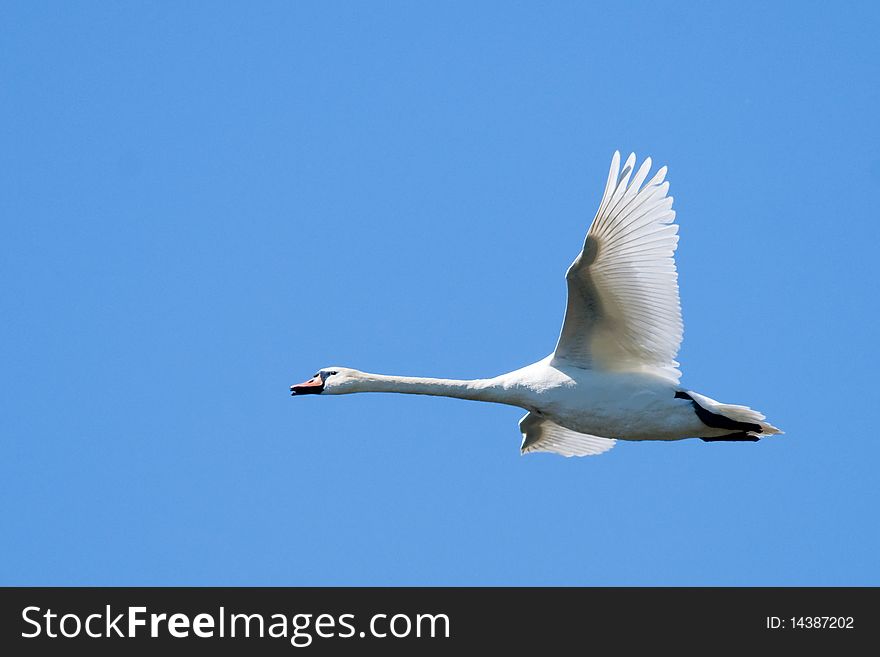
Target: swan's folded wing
[(542, 435), (623, 310)]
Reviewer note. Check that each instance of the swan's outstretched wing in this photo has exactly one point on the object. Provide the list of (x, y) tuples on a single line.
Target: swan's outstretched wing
[(623, 310), (542, 435)]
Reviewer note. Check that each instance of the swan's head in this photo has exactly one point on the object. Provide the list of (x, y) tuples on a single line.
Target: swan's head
[(329, 381)]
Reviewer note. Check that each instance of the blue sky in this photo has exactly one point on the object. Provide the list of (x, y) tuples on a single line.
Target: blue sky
[(202, 203)]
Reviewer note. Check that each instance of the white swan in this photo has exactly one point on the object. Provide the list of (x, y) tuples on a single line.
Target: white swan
[(613, 375)]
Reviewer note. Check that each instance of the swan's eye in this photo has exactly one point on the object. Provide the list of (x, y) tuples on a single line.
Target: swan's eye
[(332, 373)]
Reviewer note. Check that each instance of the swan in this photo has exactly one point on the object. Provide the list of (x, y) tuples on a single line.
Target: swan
[(613, 375)]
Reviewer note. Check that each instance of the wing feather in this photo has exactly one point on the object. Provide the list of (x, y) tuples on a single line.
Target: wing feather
[(542, 435), (623, 308)]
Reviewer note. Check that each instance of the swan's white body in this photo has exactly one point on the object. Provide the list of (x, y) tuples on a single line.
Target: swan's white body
[(626, 405), (613, 374)]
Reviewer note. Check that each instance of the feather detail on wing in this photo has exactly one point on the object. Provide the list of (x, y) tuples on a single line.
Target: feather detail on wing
[(542, 435), (623, 311)]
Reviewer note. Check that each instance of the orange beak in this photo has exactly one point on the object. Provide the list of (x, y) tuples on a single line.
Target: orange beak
[(313, 386)]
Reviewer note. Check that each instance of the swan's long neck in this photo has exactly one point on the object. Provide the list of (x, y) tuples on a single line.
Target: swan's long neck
[(489, 390)]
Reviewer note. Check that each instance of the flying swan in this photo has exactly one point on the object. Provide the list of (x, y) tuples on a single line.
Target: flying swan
[(613, 375)]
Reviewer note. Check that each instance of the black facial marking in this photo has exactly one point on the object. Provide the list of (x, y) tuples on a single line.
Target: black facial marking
[(310, 389)]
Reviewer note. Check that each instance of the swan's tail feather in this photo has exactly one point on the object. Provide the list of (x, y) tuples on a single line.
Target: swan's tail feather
[(744, 423)]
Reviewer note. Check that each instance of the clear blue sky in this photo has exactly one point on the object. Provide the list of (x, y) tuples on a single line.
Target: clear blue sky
[(202, 203)]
